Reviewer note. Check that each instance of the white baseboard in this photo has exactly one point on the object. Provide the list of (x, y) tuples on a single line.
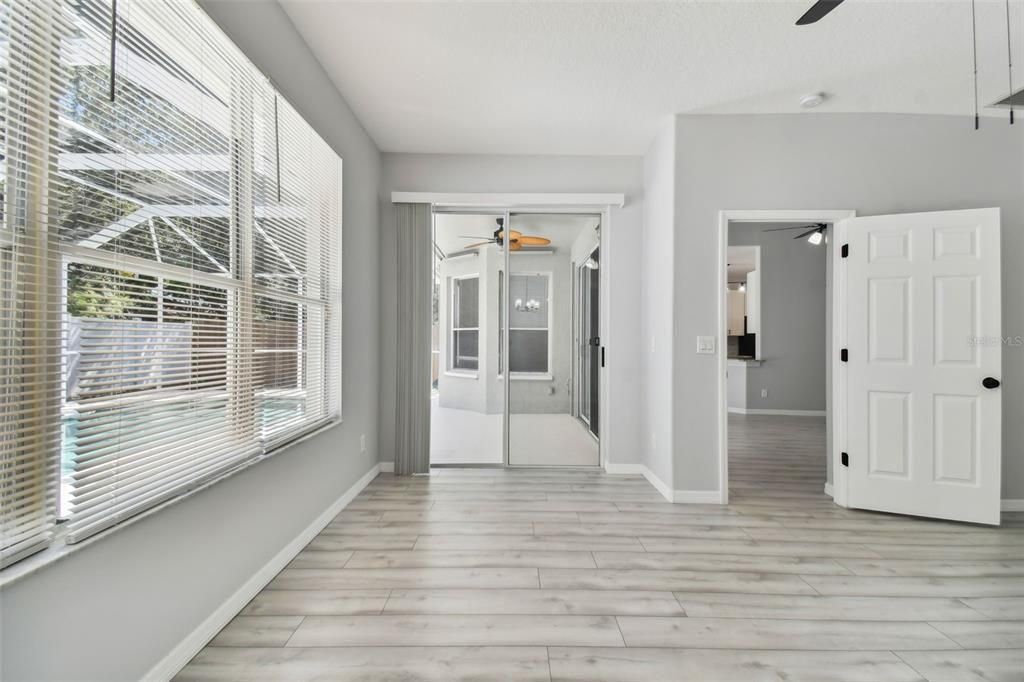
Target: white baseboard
[(1013, 505), (779, 413), (828, 489), (678, 496), (387, 467), (659, 485), (697, 497), (173, 662), (624, 469)]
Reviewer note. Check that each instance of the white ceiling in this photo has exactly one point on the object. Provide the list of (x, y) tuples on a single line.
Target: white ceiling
[(599, 77), (562, 230)]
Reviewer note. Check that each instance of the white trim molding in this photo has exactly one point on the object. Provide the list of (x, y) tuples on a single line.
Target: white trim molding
[(193, 643), (659, 485), (1012, 505), (500, 200), (779, 413), (624, 469), (697, 497), (835, 217), (674, 496), (828, 489)]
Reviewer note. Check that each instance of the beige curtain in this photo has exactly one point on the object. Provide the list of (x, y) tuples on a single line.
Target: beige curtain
[(412, 413)]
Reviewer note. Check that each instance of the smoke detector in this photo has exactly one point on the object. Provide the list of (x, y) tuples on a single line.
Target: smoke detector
[(812, 100)]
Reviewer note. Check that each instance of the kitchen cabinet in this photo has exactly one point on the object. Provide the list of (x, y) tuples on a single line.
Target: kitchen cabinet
[(736, 309), (752, 302)]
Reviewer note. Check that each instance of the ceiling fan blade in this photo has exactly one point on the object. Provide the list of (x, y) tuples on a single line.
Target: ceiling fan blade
[(479, 244), (475, 236), (533, 241), (512, 234), (795, 227), (808, 233), (515, 246), (817, 11)]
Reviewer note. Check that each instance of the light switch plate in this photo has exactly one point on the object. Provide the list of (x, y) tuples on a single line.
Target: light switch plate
[(706, 345)]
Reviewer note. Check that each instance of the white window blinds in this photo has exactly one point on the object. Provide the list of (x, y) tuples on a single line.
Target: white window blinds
[(188, 241)]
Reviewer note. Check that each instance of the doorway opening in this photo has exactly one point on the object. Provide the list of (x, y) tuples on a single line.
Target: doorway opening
[(516, 338), (777, 335), (777, 321)]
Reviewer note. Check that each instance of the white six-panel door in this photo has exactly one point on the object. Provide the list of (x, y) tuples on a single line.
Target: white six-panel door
[(924, 435)]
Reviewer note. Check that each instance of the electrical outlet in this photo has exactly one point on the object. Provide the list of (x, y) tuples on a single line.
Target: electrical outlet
[(362, 443), (764, 392)]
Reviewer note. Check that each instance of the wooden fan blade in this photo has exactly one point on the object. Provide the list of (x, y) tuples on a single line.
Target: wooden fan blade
[(817, 11), (515, 246), (533, 241), (479, 244), (513, 235)]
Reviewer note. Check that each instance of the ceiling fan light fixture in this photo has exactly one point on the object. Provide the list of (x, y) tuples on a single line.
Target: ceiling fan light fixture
[(817, 237)]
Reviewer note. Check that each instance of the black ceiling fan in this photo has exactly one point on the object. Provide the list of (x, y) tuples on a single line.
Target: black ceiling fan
[(817, 11)]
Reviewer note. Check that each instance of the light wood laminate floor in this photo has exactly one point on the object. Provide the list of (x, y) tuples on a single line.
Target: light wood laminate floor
[(570, 575)]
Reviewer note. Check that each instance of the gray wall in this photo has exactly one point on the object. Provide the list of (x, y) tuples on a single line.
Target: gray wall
[(114, 608), (874, 164), (487, 173), (656, 305), (793, 350)]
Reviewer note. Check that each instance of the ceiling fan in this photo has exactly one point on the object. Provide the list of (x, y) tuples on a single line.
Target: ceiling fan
[(815, 235), (516, 240), (817, 11)]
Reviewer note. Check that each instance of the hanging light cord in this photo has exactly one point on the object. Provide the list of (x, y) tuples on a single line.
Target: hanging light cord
[(113, 48), (1009, 56), (974, 46), (277, 150)]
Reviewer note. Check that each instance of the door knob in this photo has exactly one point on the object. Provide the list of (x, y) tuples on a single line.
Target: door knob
[(990, 382)]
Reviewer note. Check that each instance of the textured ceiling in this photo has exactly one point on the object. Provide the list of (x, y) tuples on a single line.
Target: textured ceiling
[(599, 77)]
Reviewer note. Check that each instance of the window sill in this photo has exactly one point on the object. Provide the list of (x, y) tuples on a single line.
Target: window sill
[(59, 549), (462, 375)]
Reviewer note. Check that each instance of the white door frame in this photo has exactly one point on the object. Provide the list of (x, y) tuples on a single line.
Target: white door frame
[(838, 393), (598, 204)]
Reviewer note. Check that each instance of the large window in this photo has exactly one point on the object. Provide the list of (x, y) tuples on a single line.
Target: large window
[(465, 324), (170, 251)]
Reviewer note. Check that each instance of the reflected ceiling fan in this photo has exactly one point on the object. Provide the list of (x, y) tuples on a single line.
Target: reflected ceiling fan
[(818, 11), (815, 233), (516, 240)]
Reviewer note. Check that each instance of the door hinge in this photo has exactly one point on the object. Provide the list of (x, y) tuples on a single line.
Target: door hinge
[(844, 355), (845, 459), (846, 251)]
